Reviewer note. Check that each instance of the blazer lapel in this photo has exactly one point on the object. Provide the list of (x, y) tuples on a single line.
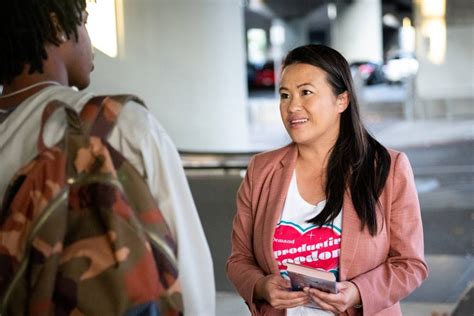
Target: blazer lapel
[(350, 236), (278, 190)]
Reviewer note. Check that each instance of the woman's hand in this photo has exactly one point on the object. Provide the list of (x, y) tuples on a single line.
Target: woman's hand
[(276, 291), (348, 295)]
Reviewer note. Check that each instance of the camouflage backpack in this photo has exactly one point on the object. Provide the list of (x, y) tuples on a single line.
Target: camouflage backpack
[(80, 233)]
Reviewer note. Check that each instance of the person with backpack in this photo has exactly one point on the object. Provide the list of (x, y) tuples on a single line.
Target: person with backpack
[(44, 51)]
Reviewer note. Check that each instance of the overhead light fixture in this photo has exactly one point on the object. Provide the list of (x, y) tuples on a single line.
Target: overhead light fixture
[(407, 36), (433, 28), (434, 31), (102, 26), (277, 34), (433, 8), (390, 20), (406, 22), (332, 11)]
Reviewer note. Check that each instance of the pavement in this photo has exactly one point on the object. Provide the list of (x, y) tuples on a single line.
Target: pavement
[(402, 134), (230, 304)]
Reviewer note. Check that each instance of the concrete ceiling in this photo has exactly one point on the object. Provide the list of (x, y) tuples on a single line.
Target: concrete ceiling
[(314, 11), (289, 9)]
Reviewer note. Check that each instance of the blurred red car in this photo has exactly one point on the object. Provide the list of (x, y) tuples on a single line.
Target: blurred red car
[(265, 76), (371, 72)]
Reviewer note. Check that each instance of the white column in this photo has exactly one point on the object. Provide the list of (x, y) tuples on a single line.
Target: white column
[(357, 31), (186, 59), (284, 36), (296, 34), (445, 51)]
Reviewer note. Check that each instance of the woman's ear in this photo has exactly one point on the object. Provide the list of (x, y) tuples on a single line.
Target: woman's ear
[(58, 29), (342, 101)]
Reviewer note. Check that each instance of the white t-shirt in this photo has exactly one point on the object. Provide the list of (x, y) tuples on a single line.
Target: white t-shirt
[(142, 140), (299, 242)]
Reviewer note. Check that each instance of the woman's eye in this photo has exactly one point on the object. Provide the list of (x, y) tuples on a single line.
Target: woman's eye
[(307, 92), (284, 96)]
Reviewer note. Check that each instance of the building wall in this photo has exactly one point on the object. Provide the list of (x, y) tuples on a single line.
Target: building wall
[(186, 59)]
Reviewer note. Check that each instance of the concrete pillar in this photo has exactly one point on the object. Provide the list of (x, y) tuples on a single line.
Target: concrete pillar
[(296, 34), (357, 31), (445, 52), (186, 59), (284, 36)]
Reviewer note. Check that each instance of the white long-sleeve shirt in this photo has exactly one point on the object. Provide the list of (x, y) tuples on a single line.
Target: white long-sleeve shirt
[(144, 142)]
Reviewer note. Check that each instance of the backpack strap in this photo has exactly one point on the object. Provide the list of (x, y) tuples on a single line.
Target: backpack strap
[(98, 117), (72, 118), (100, 114)]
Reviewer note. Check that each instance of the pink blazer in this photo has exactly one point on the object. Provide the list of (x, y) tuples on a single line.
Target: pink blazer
[(385, 268)]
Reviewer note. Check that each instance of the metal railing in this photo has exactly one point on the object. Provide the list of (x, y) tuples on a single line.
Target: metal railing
[(192, 160)]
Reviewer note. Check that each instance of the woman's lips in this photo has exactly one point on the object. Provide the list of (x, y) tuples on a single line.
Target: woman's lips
[(297, 121)]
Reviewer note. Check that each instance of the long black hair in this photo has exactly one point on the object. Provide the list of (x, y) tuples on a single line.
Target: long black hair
[(357, 161), (26, 27)]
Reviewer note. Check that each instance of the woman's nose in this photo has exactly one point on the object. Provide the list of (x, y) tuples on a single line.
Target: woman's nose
[(295, 105)]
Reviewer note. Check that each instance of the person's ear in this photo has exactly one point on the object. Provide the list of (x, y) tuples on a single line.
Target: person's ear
[(343, 101), (58, 29)]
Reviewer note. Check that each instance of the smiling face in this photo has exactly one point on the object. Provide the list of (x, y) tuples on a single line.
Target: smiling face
[(310, 110)]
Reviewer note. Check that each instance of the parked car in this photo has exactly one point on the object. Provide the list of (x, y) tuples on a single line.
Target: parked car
[(400, 66), (265, 76), (371, 72)]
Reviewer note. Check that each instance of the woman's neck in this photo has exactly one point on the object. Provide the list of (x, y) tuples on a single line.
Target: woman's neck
[(315, 153)]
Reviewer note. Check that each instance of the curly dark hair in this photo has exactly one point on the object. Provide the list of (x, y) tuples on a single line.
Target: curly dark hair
[(26, 27)]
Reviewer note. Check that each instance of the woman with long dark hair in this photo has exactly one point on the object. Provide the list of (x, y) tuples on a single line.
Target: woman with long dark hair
[(334, 199)]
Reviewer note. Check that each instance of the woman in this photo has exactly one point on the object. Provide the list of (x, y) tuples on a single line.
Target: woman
[(333, 199)]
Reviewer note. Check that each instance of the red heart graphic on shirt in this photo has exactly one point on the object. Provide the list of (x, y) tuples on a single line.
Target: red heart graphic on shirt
[(317, 247)]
